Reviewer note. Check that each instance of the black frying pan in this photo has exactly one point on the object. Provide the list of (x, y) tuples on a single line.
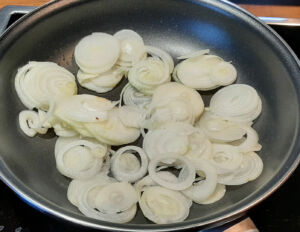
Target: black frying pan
[(262, 59)]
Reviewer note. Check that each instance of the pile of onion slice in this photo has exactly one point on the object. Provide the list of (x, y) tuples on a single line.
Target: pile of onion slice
[(79, 158), (204, 72), (38, 83), (189, 153)]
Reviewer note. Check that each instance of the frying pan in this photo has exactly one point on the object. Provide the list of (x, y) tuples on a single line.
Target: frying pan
[(262, 58)]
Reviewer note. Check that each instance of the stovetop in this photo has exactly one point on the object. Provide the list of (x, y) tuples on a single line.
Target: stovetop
[(279, 212)]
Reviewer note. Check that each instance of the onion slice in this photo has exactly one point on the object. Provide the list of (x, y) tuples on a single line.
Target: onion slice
[(200, 191), (186, 175), (38, 83), (79, 158), (238, 103), (126, 167), (97, 53), (162, 205)]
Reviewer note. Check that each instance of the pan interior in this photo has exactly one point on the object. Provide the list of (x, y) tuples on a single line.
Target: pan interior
[(179, 27)]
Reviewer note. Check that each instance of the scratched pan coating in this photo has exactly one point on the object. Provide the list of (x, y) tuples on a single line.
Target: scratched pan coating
[(263, 60)]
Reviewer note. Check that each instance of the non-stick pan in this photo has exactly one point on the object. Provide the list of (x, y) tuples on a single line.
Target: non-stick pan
[(262, 58)]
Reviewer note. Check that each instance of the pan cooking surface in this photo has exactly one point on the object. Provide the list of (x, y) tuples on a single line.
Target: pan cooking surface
[(179, 27)]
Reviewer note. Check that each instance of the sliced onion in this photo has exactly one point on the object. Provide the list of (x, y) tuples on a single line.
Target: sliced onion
[(146, 75), (89, 206), (100, 83), (131, 116), (63, 130), (37, 83), (200, 191), (116, 197), (170, 91), (217, 195), (162, 205), (112, 131), (199, 147), (77, 186), (132, 97), (126, 167), (193, 54), (170, 110), (205, 72), (97, 53), (220, 130), (238, 102), (79, 158), (84, 108), (162, 55), (132, 47), (28, 121), (225, 158), (159, 142), (186, 175), (250, 168), (251, 141)]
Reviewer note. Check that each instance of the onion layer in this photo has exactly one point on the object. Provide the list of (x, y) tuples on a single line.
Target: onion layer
[(186, 176), (37, 83), (126, 167), (238, 102), (97, 53), (79, 158), (162, 205)]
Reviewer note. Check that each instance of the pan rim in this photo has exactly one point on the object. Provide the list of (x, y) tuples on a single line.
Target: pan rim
[(16, 185)]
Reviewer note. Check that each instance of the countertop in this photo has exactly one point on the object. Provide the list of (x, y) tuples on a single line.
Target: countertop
[(291, 11)]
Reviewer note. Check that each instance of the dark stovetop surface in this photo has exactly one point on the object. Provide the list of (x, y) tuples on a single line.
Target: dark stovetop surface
[(277, 213)]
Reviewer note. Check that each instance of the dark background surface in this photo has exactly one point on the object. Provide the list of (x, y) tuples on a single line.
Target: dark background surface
[(280, 212)]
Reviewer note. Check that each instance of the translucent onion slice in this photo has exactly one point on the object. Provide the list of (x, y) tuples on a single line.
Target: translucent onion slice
[(116, 197), (63, 130), (186, 176), (126, 167), (37, 83), (28, 121), (31, 122), (91, 205), (205, 72), (100, 83), (173, 90), (199, 147), (162, 55), (171, 110), (113, 131), (79, 158), (201, 190), (77, 186), (148, 181), (97, 53), (132, 47), (84, 108), (159, 142), (238, 102), (131, 116), (251, 141), (161, 205), (193, 54), (146, 75), (220, 130), (132, 97), (250, 168), (217, 195), (225, 158)]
